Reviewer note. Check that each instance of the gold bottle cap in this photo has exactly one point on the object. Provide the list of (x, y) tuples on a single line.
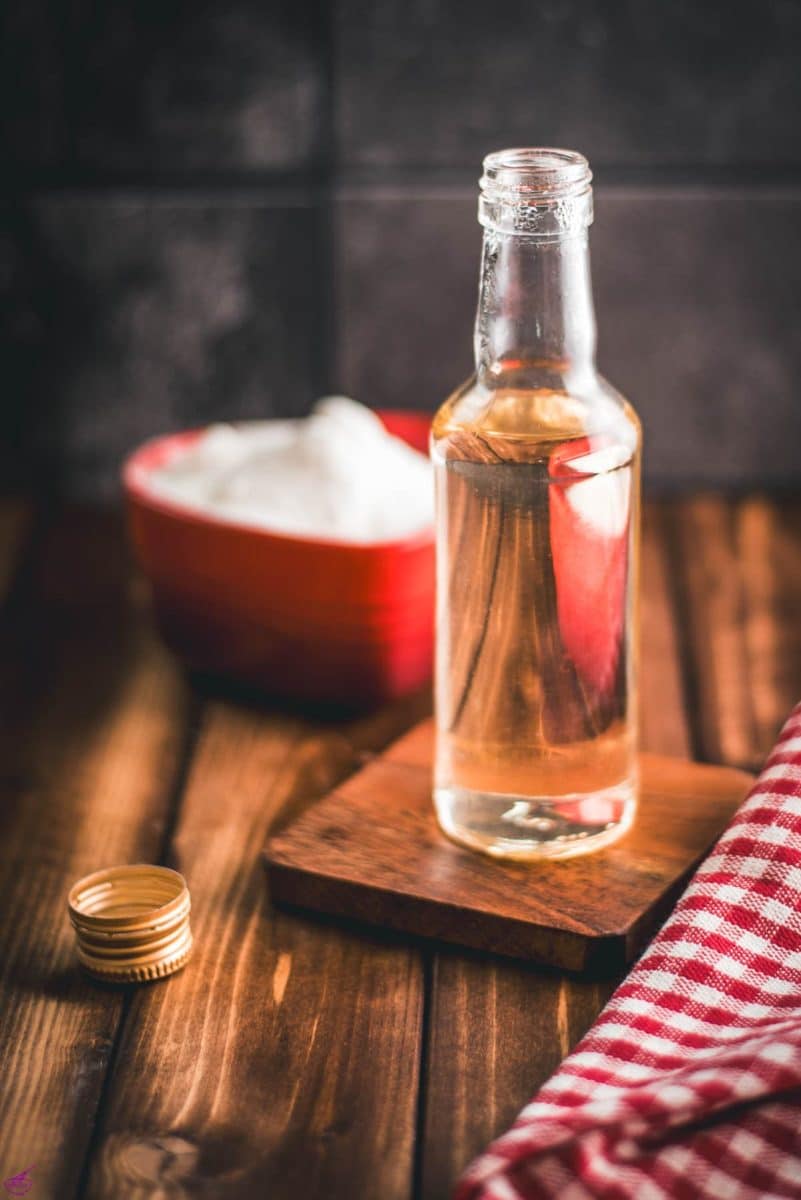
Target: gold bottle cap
[(131, 923)]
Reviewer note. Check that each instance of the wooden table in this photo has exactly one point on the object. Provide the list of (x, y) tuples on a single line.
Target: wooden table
[(294, 1057)]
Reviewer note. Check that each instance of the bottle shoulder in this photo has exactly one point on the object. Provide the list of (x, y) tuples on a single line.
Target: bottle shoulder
[(621, 402), (517, 423)]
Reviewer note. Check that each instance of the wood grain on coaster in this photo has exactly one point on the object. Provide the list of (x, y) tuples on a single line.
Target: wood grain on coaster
[(372, 850)]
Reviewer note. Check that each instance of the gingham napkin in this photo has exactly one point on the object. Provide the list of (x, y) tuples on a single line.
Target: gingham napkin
[(689, 1083)]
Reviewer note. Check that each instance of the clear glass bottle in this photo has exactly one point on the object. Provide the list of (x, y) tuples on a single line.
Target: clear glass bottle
[(537, 478)]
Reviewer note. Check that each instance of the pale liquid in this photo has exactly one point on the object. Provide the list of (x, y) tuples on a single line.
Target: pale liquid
[(536, 730)]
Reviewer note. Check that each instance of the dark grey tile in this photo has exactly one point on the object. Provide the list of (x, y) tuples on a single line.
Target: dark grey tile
[(696, 293), (128, 87), (33, 86), (697, 296), (442, 82), (124, 318), (406, 283)]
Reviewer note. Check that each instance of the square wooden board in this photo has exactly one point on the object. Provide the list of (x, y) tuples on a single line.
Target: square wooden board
[(372, 850)]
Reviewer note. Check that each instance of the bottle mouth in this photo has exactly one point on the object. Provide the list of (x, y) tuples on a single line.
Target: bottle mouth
[(539, 191), (537, 172)]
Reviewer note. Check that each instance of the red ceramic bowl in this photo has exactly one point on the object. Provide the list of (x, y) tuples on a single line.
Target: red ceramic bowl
[(310, 620)]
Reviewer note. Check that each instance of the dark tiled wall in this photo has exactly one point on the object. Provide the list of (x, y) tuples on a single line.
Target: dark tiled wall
[(219, 210), (155, 311), (149, 89), (697, 295), (435, 82)]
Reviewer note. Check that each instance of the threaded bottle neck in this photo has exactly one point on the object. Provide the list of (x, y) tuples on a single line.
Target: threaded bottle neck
[(535, 298), (536, 192)]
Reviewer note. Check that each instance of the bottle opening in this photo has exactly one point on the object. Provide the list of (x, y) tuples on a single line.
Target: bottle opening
[(536, 171), (536, 191)]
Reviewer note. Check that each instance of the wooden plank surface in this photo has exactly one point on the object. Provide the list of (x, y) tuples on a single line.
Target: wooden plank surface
[(284, 1059), (768, 540), (92, 725), (294, 1056), (738, 572), (711, 600), (495, 1032), (664, 726)]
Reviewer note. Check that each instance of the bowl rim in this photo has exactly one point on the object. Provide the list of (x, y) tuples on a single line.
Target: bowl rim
[(136, 491)]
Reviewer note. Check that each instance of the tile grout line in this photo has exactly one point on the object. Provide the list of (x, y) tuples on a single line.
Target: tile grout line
[(329, 174)]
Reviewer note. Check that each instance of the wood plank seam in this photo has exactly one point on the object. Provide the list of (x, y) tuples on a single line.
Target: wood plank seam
[(191, 736), (429, 967), (733, 512), (688, 668)]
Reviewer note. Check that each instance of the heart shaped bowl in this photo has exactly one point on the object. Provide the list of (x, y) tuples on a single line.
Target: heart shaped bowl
[(310, 620)]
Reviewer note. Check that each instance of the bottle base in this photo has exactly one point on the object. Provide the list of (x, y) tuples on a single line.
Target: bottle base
[(532, 827)]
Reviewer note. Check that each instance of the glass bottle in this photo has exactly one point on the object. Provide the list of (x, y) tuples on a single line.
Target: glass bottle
[(536, 462)]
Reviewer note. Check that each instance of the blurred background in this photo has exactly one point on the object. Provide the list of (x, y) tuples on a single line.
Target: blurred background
[(220, 210)]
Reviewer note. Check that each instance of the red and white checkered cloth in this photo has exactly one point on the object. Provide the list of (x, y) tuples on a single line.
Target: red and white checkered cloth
[(689, 1083)]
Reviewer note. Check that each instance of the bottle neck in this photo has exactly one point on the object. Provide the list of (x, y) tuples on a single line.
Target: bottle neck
[(535, 319)]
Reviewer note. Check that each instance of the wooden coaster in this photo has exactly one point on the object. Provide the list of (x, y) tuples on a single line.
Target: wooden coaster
[(372, 850)]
